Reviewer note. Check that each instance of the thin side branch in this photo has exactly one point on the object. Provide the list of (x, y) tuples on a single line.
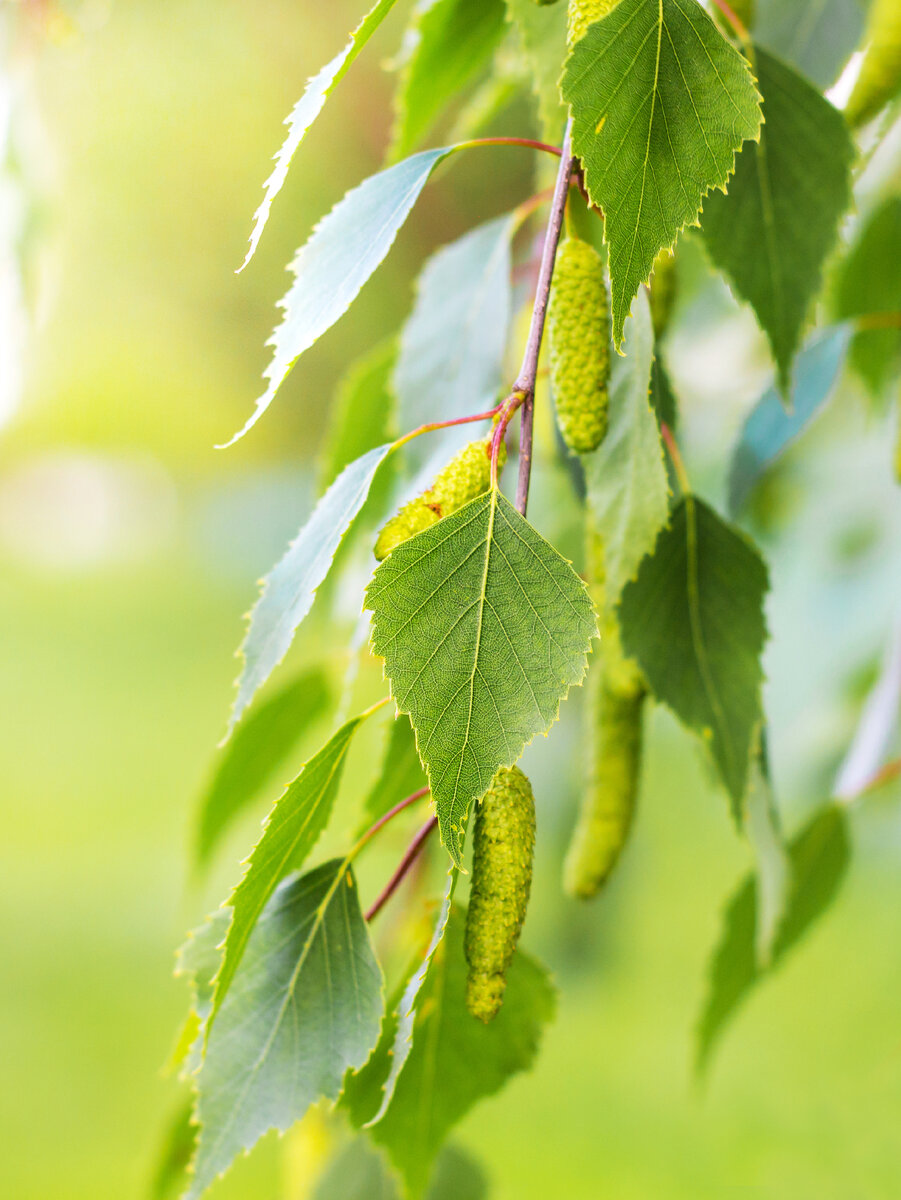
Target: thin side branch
[(392, 812), (410, 855)]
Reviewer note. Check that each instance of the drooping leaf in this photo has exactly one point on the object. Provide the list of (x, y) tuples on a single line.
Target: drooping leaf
[(773, 877), (289, 589), (259, 747), (452, 346), (693, 618), (307, 109), (484, 627), (360, 1172), (816, 38), (292, 829), (819, 856), (342, 252), (660, 103), (542, 29), (305, 1006), (447, 44), (663, 398), (363, 413), (772, 232), (769, 429), (455, 1059), (401, 772), (626, 476), (171, 1174)]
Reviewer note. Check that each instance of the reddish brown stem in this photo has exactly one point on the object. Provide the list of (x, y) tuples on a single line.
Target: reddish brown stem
[(410, 855), (392, 812), (529, 143), (734, 20)]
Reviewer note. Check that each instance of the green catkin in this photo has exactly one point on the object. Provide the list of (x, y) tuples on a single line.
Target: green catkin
[(581, 14), (662, 295), (466, 476), (579, 337), (879, 80), (503, 847), (615, 738)]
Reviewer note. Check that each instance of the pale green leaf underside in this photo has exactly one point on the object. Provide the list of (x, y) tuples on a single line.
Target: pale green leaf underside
[(198, 961), (660, 104), (484, 627), (305, 112), (363, 413), (452, 346), (446, 46), (773, 869), (305, 1006), (290, 587), (693, 619), (626, 475), (292, 829), (342, 252), (772, 232), (819, 856)]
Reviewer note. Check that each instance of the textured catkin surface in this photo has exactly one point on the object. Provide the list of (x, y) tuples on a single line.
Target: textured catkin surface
[(503, 848), (466, 476), (582, 13), (879, 80), (579, 333)]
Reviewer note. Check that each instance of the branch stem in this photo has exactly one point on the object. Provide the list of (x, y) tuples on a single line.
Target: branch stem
[(386, 817), (678, 465), (734, 20), (411, 853), (433, 425), (529, 143)]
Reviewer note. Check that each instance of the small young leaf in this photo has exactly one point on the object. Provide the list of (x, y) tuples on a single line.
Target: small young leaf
[(626, 476), (363, 413), (258, 748), (484, 627), (817, 38), (819, 857), (289, 589), (305, 1006), (693, 619), (456, 1060), (769, 429), (660, 104), (340, 255), (773, 230), (401, 773), (446, 46), (291, 831), (542, 29), (452, 346), (307, 109)]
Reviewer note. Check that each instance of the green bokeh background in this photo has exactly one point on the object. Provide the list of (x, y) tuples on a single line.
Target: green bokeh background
[(159, 120)]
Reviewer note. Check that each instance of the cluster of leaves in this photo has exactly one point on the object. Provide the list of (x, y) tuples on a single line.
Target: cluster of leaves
[(483, 627)]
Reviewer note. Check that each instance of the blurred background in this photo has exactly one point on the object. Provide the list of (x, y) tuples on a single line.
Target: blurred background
[(134, 139)]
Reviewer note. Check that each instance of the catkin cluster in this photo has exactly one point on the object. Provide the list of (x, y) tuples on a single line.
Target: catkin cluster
[(466, 476), (879, 80), (581, 14), (503, 847), (579, 336)]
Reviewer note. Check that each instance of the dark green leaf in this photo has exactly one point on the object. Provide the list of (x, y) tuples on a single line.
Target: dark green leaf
[(340, 255), (663, 398), (818, 38), (447, 45), (359, 1172), (292, 829), (693, 618), (660, 104), (305, 1006), (171, 1175), (819, 857), (307, 109), (258, 748), (362, 414), (769, 429), (772, 232), (401, 772), (455, 1059), (542, 29), (484, 627), (290, 587)]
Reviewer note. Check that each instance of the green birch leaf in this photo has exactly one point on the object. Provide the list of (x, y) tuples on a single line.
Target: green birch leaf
[(816, 38), (360, 1172), (251, 757), (198, 960), (401, 773), (693, 618), (288, 591), (542, 29), (769, 430), (772, 232), (456, 1060), (660, 103), (447, 44), (663, 398), (307, 109), (170, 1177), (773, 877), (626, 475), (484, 627), (819, 856), (452, 346), (342, 252), (305, 1006), (292, 829), (363, 413)]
